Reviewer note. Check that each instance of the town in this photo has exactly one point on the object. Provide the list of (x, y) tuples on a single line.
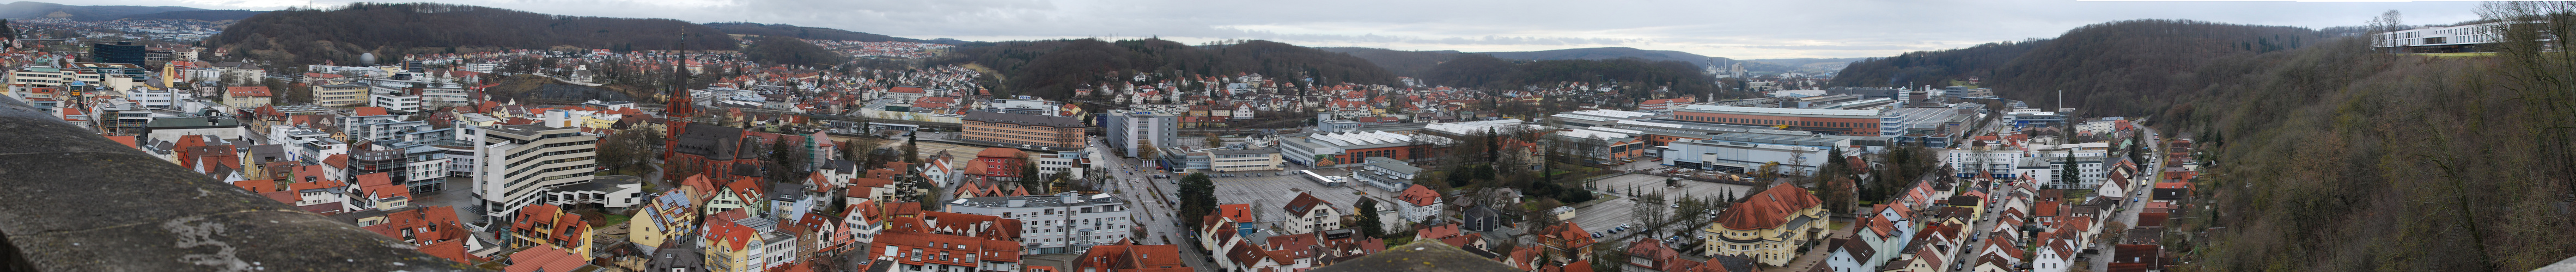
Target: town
[(707, 161)]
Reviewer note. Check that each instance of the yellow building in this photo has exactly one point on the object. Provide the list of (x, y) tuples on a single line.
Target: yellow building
[(667, 217), (1771, 227), (549, 225)]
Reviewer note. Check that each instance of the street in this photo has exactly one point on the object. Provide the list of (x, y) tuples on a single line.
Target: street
[(1154, 201)]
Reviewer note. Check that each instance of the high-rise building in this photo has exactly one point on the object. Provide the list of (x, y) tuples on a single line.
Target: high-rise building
[(121, 52), (519, 161), (1128, 130)]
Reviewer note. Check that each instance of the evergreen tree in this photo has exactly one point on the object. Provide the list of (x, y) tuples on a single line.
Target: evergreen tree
[(2068, 176), (1369, 224), (1198, 198)]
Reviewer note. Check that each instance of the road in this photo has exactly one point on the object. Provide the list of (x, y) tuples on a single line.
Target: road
[(2127, 215), (1154, 201)]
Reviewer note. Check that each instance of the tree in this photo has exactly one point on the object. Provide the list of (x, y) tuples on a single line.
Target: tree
[(1145, 151), (2069, 175), (1369, 224), (1198, 198), (1213, 141), (911, 150), (1654, 212)]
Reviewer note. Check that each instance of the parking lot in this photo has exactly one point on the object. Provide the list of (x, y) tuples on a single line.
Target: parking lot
[(1270, 192), (1604, 215)]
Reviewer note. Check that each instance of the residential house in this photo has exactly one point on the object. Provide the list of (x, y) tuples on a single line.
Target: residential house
[(1309, 214)]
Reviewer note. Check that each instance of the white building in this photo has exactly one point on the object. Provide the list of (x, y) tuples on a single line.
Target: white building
[(1126, 130), (1743, 152), (394, 100), (1060, 223), (518, 161)]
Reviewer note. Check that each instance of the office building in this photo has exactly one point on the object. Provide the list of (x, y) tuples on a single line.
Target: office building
[(520, 161), (1127, 131), (1057, 223), (1022, 130)]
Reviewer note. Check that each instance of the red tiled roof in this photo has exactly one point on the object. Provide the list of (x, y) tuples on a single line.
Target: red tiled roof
[(544, 258), (247, 91), (1768, 209), (1419, 195)]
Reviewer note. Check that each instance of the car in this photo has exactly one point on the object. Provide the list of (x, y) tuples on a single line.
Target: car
[(1623, 226), (1596, 235)]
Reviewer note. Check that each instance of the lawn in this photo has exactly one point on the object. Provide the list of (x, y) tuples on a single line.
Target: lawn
[(614, 219), (1838, 225)]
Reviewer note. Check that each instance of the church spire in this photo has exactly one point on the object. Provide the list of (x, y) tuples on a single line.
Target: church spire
[(680, 106)]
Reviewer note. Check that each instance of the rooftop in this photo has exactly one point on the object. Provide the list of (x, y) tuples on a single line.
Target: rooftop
[(1783, 111)]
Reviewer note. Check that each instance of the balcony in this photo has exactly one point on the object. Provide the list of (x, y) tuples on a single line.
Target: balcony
[(79, 202)]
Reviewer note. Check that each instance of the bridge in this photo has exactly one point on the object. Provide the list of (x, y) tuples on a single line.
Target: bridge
[(80, 202)]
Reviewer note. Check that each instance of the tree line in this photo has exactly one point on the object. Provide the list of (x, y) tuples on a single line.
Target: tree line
[(296, 37)]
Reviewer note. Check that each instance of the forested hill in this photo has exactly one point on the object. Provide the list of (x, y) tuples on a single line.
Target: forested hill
[(1486, 71), (311, 36), (801, 32), (2320, 155), (2096, 64), (26, 10), (1053, 68)]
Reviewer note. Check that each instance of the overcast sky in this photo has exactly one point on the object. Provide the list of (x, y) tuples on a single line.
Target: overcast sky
[(1734, 29)]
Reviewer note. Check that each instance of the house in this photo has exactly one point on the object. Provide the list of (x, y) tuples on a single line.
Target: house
[(1849, 255), (422, 227), (1566, 242), (1309, 214), (1770, 227), (666, 218), (1650, 255), (906, 247), (1418, 204), (1126, 256), (1926, 260), (739, 194), (2054, 255), (550, 225), (1992, 263)]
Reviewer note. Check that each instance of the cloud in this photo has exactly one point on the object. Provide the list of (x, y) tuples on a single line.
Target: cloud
[(1735, 29)]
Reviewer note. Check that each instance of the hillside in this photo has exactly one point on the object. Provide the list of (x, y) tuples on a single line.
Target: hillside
[(1053, 68), (1486, 71), (1810, 64), (29, 10), (2321, 155), (2096, 65), (1402, 63), (810, 33), (791, 51), (1606, 53), (200, 15), (298, 37)]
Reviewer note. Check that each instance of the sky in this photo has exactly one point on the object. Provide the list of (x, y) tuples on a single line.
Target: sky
[(1735, 29)]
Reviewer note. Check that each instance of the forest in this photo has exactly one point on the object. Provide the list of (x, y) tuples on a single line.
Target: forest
[(296, 37), (1053, 68), (2320, 154), (801, 32), (1640, 75), (791, 51)]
